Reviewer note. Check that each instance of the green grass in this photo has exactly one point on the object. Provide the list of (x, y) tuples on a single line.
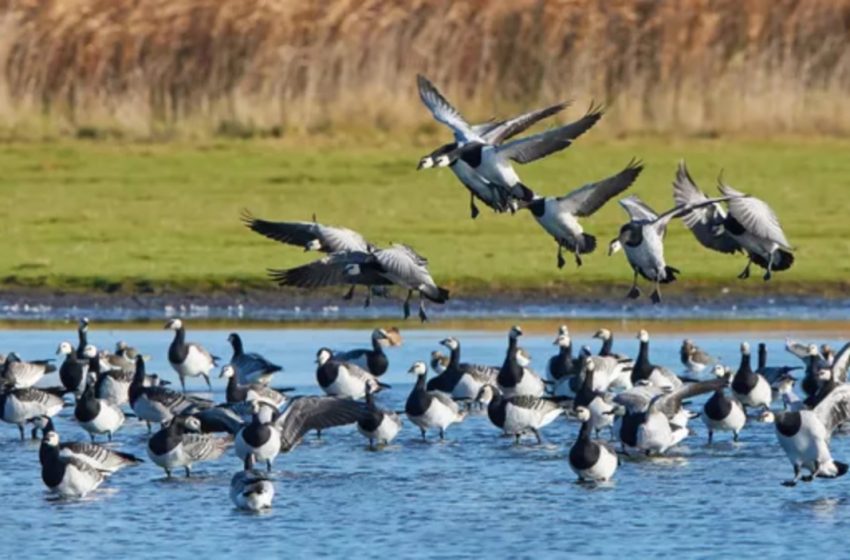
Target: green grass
[(139, 217)]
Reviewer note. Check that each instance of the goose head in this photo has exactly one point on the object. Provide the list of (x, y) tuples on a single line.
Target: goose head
[(418, 369), (582, 414), (65, 348), (174, 324), (90, 351), (323, 355), (589, 364), (486, 394), (451, 343), (439, 362), (813, 350), (563, 341), (614, 246), (602, 334), (227, 371), (313, 245), (767, 417), (643, 335), (51, 439), (84, 323), (745, 348), (191, 424), (515, 332), (523, 358), (785, 384), (380, 335)]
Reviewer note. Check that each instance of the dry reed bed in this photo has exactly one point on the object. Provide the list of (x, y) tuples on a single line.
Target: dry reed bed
[(147, 66)]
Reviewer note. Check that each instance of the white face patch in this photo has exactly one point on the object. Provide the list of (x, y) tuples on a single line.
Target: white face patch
[(442, 161), (323, 356), (426, 163), (522, 358), (90, 351), (313, 245), (643, 336), (52, 439)]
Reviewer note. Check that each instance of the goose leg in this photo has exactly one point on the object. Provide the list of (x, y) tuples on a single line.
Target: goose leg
[(442, 434), (424, 437), (710, 436), (207, 379), (91, 435), (34, 432), (769, 273), (656, 293), (269, 465), (422, 316), (183, 383), (516, 439), (735, 436), (746, 272), (407, 304), (793, 481), (109, 437), (318, 434), (368, 301), (149, 426), (561, 261), (188, 472), (21, 429), (473, 209), (349, 294), (167, 473), (371, 444), (578, 257), (537, 435), (634, 293)]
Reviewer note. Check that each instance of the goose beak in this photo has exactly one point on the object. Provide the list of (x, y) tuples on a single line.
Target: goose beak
[(614, 246)]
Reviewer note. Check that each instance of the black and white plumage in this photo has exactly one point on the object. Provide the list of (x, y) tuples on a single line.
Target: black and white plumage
[(562, 364), (311, 236), (377, 425), (522, 414), (260, 437), (66, 475), (97, 416), (722, 413), (642, 240), (592, 461), (251, 490), (73, 370), (21, 374), (461, 380), (772, 373), (707, 222), (181, 445), (593, 397), (305, 414), (97, 456), (439, 362), (19, 406), (753, 224), (748, 386), (159, 404), (430, 409), (373, 359), (236, 393), (558, 215), (188, 359), (397, 265), (693, 357), (250, 367), (645, 371), (607, 338), (342, 379), (82, 337), (514, 377), (804, 435)]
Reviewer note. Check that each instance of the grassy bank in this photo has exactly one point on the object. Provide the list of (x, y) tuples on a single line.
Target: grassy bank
[(140, 217)]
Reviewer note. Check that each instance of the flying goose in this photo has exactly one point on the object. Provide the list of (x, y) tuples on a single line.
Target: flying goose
[(398, 265), (20, 374), (430, 409), (693, 357), (72, 372), (250, 366), (97, 456), (642, 239), (66, 475), (342, 379), (522, 414), (251, 490), (721, 413), (188, 358), (259, 438), (558, 216), (753, 224), (461, 380), (378, 425), (19, 406), (707, 222), (159, 404), (311, 236), (236, 393), (492, 194), (180, 444), (373, 360), (592, 461), (644, 370), (97, 416), (804, 435), (514, 378), (655, 424), (748, 386)]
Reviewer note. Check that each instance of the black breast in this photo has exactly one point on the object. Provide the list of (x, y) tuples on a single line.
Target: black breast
[(377, 362), (718, 406), (326, 373), (71, 373), (164, 441), (496, 411), (256, 434), (178, 350), (744, 382), (371, 420), (446, 381), (87, 407), (629, 428), (634, 234), (235, 393), (418, 402), (472, 156), (733, 226), (538, 207), (584, 454), (788, 423), (52, 469)]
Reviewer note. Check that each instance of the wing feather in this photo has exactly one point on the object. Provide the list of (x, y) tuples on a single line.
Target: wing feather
[(590, 198)]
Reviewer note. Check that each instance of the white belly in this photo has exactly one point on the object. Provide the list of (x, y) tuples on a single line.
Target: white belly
[(467, 388), (437, 416), (655, 434), (602, 471), (530, 385), (760, 395), (176, 458), (347, 386), (76, 484), (114, 391), (195, 364), (386, 431), (108, 421), (734, 421), (266, 452)]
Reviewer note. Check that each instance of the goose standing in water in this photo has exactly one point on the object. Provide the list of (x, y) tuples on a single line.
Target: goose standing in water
[(83, 338), (598, 403), (750, 388), (693, 357), (305, 414), (188, 358), (430, 409), (644, 370), (592, 461), (753, 224), (260, 438), (461, 380), (97, 416), (439, 362), (72, 372), (378, 425), (19, 406), (97, 456), (20, 374), (804, 436), (642, 239), (772, 373), (558, 216), (721, 413), (607, 338), (251, 490), (236, 393), (181, 445), (373, 360), (158, 404), (514, 378), (341, 379), (66, 475), (250, 367), (562, 364), (522, 414)]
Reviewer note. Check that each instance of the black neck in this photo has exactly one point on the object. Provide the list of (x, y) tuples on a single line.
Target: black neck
[(236, 342), (606, 346)]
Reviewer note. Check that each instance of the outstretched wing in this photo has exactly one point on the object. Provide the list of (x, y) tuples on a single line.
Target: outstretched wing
[(545, 143), (671, 403), (703, 222), (637, 209), (332, 239), (755, 216), (496, 133), (443, 111), (590, 198), (316, 413), (336, 269), (834, 409), (840, 364)]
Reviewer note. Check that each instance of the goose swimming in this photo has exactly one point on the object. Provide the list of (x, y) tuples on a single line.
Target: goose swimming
[(599, 402), (180, 445), (72, 372), (804, 436), (66, 475), (515, 378), (341, 379), (562, 364), (251, 490), (378, 425), (558, 216), (250, 367), (188, 358), (721, 413), (592, 461), (430, 409)]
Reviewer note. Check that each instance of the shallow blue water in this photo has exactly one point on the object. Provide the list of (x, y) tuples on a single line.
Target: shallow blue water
[(474, 495)]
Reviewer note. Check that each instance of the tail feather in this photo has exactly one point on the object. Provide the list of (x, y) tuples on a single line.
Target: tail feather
[(670, 274), (437, 295), (840, 467), (588, 243), (522, 192)]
